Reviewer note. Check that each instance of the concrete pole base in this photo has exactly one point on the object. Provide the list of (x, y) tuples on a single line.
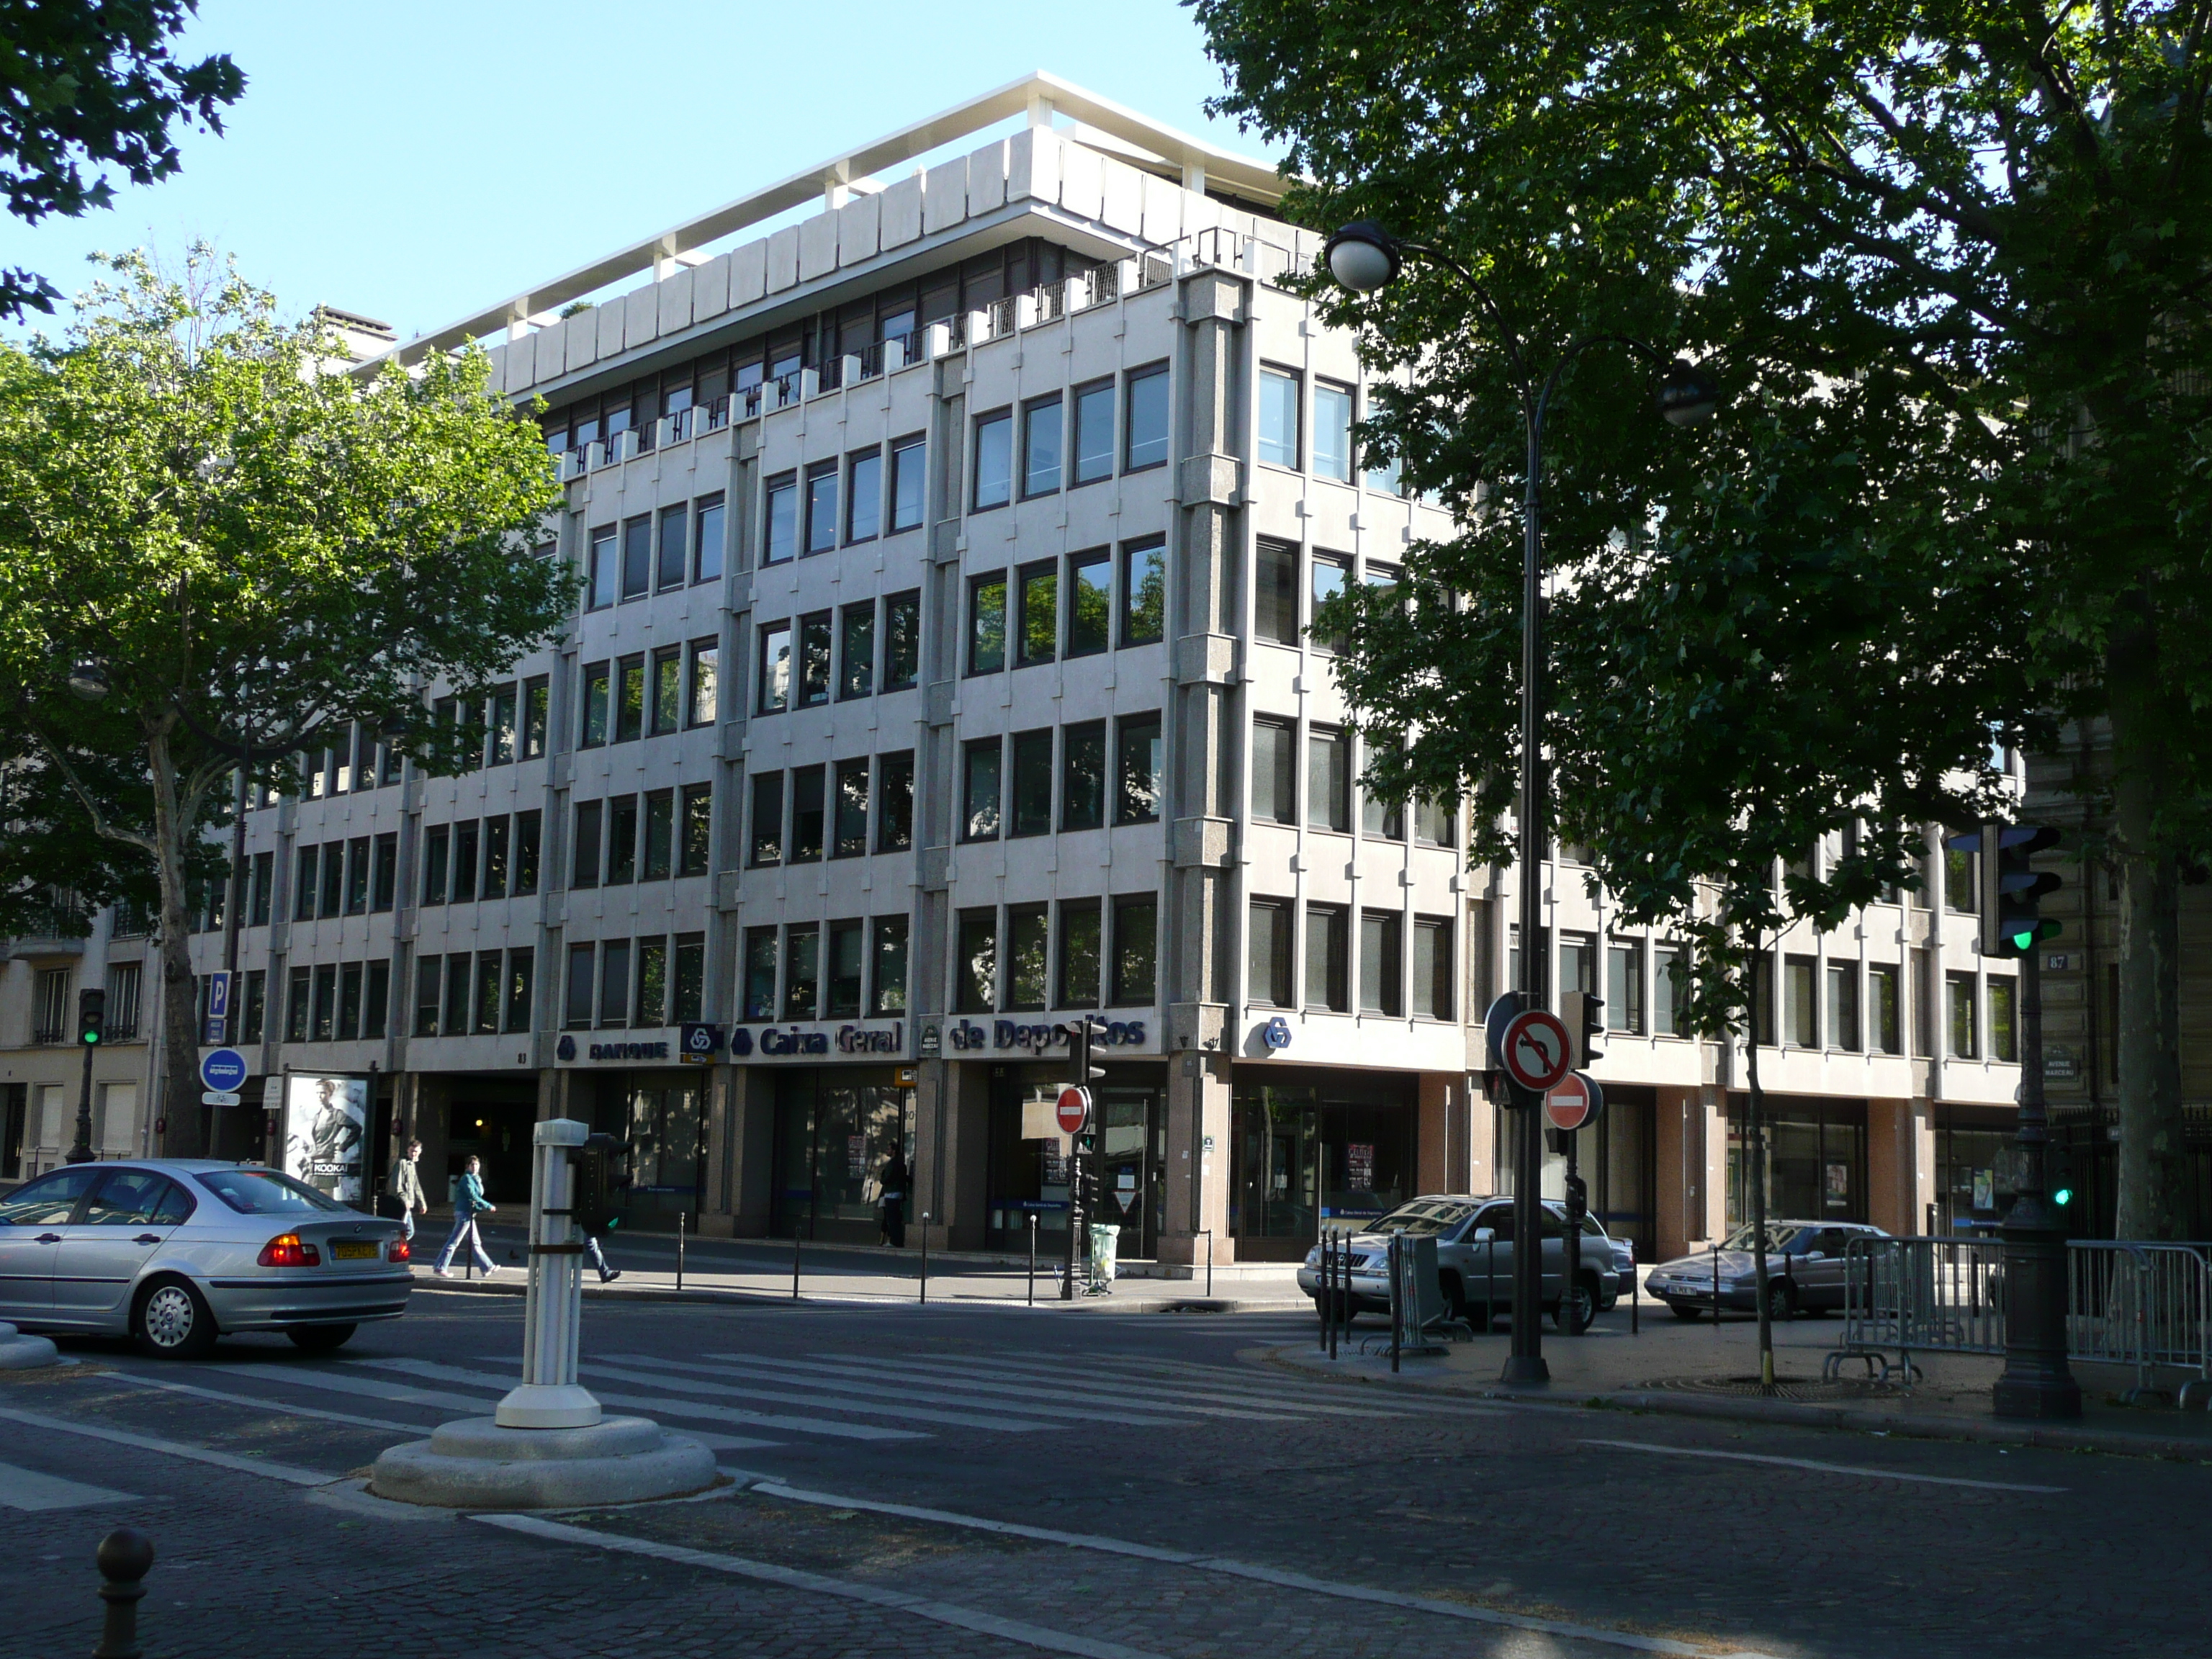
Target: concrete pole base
[(477, 1464), (547, 1406), (19, 1353)]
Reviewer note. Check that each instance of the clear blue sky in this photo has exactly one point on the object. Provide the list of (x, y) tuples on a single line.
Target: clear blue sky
[(417, 159)]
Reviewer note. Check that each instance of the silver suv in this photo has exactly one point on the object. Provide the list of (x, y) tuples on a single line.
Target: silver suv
[(1474, 1259)]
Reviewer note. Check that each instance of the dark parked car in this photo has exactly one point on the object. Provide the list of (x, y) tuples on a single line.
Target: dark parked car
[(1804, 1270)]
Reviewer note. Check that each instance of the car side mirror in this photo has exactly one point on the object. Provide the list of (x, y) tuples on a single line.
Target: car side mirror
[(1484, 1235), (1816, 1255)]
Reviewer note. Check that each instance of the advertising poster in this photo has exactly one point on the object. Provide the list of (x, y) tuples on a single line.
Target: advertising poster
[(326, 1133)]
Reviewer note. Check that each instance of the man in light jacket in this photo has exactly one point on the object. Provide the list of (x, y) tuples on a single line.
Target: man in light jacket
[(405, 1188)]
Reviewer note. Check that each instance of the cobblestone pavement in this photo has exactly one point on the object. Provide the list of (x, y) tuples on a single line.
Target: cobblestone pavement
[(1164, 1430)]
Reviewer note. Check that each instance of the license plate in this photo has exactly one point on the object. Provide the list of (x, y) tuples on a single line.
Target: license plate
[(352, 1252)]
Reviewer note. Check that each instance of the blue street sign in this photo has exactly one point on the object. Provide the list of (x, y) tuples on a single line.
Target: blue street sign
[(223, 1070), (217, 1025)]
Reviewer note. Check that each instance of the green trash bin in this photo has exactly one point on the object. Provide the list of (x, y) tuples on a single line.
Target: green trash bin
[(1105, 1237)]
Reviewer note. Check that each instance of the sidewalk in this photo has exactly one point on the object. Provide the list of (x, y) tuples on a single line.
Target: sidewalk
[(1702, 1369), (761, 1269)]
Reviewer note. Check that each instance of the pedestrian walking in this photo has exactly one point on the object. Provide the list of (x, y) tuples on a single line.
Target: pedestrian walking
[(405, 1189), (597, 1258), (894, 1202), (469, 1203)]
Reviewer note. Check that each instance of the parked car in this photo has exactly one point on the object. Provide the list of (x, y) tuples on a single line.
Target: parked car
[(1805, 1262), (1474, 1259), (175, 1252)]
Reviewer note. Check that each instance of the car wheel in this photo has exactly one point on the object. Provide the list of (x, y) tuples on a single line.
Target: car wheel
[(321, 1338), (1454, 1296), (1781, 1299), (1685, 1310), (172, 1321), (1576, 1312)]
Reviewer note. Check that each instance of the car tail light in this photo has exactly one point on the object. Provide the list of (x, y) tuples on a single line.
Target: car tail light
[(401, 1250), (286, 1250)]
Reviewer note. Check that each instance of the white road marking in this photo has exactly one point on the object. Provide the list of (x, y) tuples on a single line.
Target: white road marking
[(1229, 1392), (942, 1612), (888, 1382), (29, 1489), (820, 1402), (1235, 1569), (284, 1408), (659, 1405), (1819, 1467), (265, 1467)]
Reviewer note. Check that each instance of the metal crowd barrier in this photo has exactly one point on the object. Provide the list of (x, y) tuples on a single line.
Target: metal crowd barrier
[(2142, 1305)]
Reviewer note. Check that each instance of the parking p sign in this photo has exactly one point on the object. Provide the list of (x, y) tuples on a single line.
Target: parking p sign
[(223, 1070)]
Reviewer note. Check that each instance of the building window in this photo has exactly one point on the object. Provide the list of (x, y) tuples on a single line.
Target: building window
[(703, 698), (667, 713), (695, 828), (255, 1007), (689, 983), (622, 841), (907, 483), (637, 557), (978, 976), (1076, 982), (760, 973), (603, 569), (1083, 776), (856, 651), (1666, 990), (501, 723), (1090, 602), (841, 991), (1328, 779), (675, 562), (598, 703), (333, 894), (1275, 591), (2004, 1026), (1278, 419), (130, 920), (887, 965), (660, 835), (1268, 962), (814, 659), (1145, 436), (1382, 964), (1432, 822), (1624, 985), (497, 833), (901, 640), (630, 699), (488, 989), (519, 964), (356, 876), (1143, 593), (1037, 602), (808, 812), (1802, 1012), (1843, 1007), (430, 980), (1382, 818), (1432, 968), (576, 1000), (1326, 956), (774, 692), (1965, 1035), (979, 789), (707, 540), (1960, 875), (1331, 439), (779, 523), (1026, 958), (437, 854), (995, 460), (1032, 792), (766, 845), (894, 802), (1275, 770), (1327, 576), (527, 838), (1137, 769), (864, 495), (1136, 951), (614, 983), (455, 1020), (1094, 431), (822, 507), (1042, 444), (851, 838), (584, 855), (537, 710), (1884, 1036), (987, 623), (651, 1008)]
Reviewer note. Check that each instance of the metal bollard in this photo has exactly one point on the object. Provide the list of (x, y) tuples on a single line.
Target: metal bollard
[(125, 1557), (1321, 1302), (679, 1249), (1717, 1287), (1209, 1262), (1394, 1265), (925, 1257), (1634, 1305), (794, 1264), (1032, 1289)]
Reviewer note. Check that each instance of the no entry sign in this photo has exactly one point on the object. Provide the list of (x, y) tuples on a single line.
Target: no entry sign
[(1575, 1103), (1536, 1054), (1072, 1109)]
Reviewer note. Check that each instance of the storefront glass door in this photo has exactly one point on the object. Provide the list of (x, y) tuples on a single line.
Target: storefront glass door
[(1306, 1157), (836, 1132)]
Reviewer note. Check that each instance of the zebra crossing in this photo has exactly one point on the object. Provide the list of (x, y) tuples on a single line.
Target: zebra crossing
[(748, 1402)]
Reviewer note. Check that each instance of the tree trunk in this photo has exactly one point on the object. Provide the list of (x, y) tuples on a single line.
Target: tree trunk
[(179, 1090), (2154, 1165), (1756, 1178)]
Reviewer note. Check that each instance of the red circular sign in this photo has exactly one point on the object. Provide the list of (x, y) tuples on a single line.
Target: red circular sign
[(1072, 1109), (1567, 1106), (1536, 1052)]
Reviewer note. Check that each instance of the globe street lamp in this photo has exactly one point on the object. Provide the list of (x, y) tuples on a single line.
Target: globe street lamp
[(1364, 257)]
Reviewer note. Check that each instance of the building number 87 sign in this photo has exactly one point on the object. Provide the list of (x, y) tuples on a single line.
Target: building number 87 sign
[(1536, 1056)]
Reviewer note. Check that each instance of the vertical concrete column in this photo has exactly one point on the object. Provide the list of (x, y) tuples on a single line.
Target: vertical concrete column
[(1691, 1153), (1197, 1196), (1483, 1173), (1439, 1135), (748, 1144), (951, 1125), (1900, 1165)]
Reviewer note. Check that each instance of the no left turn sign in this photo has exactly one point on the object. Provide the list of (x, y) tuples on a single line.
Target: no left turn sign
[(1535, 1053)]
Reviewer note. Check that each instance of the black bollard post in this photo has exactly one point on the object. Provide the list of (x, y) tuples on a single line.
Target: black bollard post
[(125, 1557), (679, 1249), (1033, 1227)]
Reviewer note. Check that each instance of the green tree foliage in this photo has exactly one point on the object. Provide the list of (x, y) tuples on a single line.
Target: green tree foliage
[(84, 84), (261, 552), (1950, 258)]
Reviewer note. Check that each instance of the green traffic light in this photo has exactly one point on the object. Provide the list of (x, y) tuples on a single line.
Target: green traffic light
[(91, 1039), (2024, 941), (2062, 1197)]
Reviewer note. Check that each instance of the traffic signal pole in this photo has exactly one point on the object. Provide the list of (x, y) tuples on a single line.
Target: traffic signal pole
[(91, 1027)]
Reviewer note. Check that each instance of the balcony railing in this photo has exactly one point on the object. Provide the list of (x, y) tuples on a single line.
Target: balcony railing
[(47, 1035)]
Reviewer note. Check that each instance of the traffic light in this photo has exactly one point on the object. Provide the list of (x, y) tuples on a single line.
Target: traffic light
[(1578, 1199), (1082, 1033), (1583, 1014), (2012, 893), (593, 1181), (2056, 1176), (91, 1018)]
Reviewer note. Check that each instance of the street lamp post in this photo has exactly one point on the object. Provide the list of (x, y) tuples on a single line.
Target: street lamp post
[(1364, 257)]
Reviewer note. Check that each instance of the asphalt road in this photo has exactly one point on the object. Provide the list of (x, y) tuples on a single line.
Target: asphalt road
[(981, 1479)]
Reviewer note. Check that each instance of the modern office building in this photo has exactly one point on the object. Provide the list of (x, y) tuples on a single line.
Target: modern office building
[(948, 520)]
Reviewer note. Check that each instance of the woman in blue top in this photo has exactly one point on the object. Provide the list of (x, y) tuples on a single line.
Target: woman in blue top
[(468, 1205)]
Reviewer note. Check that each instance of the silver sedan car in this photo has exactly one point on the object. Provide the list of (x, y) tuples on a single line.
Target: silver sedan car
[(175, 1252)]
